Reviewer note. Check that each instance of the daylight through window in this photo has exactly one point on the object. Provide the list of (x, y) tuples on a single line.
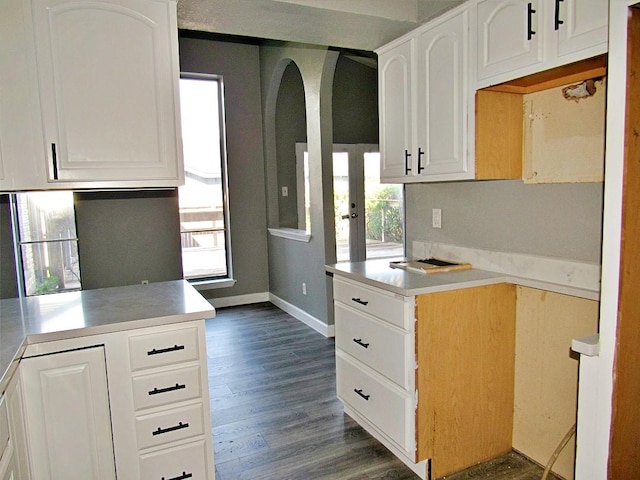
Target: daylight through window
[(46, 242), (204, 222)]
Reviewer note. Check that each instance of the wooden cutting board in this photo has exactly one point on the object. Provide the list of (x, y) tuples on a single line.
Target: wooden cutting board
[(430, 265)]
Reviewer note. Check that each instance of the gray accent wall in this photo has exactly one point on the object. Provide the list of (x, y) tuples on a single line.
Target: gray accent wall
[(553, 220), (8, 279), (128, 237), (238, 61)]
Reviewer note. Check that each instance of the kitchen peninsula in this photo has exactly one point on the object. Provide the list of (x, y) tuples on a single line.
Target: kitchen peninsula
[(134, 360), (442, 367)]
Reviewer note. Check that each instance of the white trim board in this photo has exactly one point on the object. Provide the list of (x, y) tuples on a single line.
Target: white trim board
[(233, 301), (299, 314)]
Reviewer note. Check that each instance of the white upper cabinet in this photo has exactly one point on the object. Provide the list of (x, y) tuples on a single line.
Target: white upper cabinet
[(426, 110), (108, 82), (443, 98), (396, 106), (582, 26), (520, 37), (89, 94), (508, 35)]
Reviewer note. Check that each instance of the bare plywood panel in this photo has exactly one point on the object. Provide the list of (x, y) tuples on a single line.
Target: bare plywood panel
[(564, 139), (465, 350), (546, 372)]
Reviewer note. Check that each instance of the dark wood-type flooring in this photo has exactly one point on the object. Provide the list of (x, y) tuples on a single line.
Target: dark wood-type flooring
[(275, 414)]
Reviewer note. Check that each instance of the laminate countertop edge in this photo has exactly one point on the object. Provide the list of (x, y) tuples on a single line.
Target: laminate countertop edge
[(93, 312), (377, 273)]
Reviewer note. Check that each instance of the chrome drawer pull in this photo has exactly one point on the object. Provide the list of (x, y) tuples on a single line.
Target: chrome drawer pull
[(157, 390), (361, 302), (359, 392), (181, 477), (165, 350), (359, 342), (180, 426)]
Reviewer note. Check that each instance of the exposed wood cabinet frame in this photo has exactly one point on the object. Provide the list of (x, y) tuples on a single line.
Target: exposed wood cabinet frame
[(625, 420), (465, 349)]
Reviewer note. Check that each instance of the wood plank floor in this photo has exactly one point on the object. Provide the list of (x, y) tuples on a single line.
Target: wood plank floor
[(274, 409)]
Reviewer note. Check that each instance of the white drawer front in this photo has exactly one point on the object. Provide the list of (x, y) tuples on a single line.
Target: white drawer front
[(169, 426), (4, 426), (388, 409), (376, 302), (383, 348), (163, 348), (166, 387), (183, 462)]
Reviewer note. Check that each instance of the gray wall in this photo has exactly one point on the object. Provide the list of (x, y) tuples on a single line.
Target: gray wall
[(239, 64), (127, 237), (355, 102), (562, 220), (291, 127), (8, 281), (341, 106)]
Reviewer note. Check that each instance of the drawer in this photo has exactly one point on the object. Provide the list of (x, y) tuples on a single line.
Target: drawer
[(386, 349), (163, 348), (4, 427), (396, 310), (387, 407), (166, 387), (177, 463), (169, 426)]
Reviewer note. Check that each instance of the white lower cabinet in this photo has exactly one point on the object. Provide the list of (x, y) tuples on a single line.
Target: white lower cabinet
[(429, 375), (131, 405), (67, 411)]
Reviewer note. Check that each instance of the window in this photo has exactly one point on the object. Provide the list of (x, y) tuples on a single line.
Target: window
[(46, 242), (204, 212)]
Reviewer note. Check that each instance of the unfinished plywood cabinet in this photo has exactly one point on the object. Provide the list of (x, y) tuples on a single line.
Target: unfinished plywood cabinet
[(527, 129)]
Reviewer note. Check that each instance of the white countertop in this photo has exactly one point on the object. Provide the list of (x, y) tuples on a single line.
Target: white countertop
[(60, 316), (378, 273)]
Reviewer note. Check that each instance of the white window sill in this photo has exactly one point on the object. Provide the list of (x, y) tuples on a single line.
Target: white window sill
[(210, 284), (291, 234)]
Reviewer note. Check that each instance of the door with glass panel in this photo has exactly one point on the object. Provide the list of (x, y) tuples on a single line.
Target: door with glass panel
[(369, 216)]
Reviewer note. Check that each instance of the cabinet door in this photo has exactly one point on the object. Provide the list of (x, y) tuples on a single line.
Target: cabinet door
[(584, 26), (22, 157), (506, 39), (396, 106), (67, 415), (108, 77), (17, 428), (443, 97)]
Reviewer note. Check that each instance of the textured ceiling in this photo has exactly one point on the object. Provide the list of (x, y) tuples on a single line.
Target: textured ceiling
[(355, 24)]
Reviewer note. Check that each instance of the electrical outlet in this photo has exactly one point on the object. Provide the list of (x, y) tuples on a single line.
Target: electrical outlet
[(436, 218), (285, 191), (144, 282), (304, 288)]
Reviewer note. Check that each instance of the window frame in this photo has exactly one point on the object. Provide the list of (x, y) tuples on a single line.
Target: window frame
[(228, 279)]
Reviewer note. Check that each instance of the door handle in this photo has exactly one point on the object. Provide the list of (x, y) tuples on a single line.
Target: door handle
[(557, 21), (345, 217)]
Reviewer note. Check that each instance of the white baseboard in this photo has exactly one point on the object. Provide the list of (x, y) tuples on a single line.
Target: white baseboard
[(304, 317), (239, 300)]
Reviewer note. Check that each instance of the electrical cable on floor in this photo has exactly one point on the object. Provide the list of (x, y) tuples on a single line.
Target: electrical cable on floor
[(557, 451)]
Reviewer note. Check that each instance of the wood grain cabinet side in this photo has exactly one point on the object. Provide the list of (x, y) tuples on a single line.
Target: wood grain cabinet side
[(465, 351)]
